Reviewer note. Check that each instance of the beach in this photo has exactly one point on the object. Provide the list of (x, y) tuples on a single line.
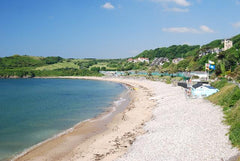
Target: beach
[(159, 123)]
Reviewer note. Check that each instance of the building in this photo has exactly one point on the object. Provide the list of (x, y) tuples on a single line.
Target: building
[(159, 61), (227, 44), (177, 60), (216, 50), (202, 90), (143, 60), (138, 60), (130, 60), (200, 74), (209, 51)]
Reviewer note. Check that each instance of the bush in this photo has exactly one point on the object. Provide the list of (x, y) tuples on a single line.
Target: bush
[(103, 69), (53, 60), (219, 84), (95, 69), (233, 119)]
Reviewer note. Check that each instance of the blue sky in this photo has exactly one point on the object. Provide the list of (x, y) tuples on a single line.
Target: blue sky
[(111, 28)]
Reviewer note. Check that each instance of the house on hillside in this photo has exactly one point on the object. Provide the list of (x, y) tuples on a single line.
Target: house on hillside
[(130, 60), (177, 60), (138, 60), (204, 52), (202, 90), (143, 60), (159, 61), (227, 44)]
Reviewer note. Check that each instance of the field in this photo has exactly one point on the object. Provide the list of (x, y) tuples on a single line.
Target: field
[(60, 65)]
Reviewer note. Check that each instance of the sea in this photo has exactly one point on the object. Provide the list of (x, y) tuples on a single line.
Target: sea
[(33, 110)]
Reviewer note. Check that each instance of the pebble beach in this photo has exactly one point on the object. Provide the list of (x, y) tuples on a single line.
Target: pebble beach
[(182, 129)]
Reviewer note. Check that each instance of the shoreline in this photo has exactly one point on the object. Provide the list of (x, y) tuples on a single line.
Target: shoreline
[(108, 112), (86, 128), (160, 123)]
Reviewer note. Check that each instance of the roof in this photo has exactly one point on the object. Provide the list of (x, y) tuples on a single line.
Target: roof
[(184, 85), (210, 87), (197, 85), (201, 84)]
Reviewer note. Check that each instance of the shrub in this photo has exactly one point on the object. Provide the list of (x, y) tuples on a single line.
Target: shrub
[(219, 84)]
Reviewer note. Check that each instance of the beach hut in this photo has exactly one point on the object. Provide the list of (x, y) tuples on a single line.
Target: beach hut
[(202, 90)]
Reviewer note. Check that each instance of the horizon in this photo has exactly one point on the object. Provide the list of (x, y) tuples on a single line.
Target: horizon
[(112, 29)]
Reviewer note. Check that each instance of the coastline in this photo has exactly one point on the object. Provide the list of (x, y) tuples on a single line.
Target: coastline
[(160, 123), (63, 145)]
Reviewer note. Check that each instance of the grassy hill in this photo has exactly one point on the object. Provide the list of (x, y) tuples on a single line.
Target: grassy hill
[(17, 61), (21, 61), (30, 66), (174, 51), (59, 65), (227, 62), (214, 44)]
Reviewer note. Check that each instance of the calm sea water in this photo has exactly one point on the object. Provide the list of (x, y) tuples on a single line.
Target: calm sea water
[(32, 110)]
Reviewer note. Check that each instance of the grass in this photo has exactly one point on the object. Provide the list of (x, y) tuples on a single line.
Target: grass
[(58, 66), (219, 84), (103, 64), (222, 94), (166, 79), (229, 98), (233, 119), (177, 79)]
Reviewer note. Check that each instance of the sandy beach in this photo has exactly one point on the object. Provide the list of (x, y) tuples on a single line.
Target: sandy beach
[(159, 123)]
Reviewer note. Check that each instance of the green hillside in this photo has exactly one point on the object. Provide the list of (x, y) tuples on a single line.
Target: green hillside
[(227, 62), (30, 66), (17, 61), (214, 44), (174, 51)]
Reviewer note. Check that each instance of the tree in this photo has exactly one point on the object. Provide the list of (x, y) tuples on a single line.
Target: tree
[(182, 65), (103, 69), (95, 69), (172, 68)]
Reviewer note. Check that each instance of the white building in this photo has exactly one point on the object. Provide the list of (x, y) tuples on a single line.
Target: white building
[(138, 60), (159, 61), (177, 60), (227, 44)]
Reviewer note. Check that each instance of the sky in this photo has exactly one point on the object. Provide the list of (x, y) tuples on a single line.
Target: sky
[(111, 28)]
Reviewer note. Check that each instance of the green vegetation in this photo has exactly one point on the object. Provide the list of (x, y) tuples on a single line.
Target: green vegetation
[(213, 44), (17, 61), (229, 98), (119, 65), (29, 66), (60, 65), (227, 62), (8, 73), (220, 84), (174, 51)]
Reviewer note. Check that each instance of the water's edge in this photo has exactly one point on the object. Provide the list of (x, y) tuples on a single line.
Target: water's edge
[(117, 106)]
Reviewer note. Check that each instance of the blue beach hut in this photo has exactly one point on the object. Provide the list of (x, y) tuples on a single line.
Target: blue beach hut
[(200, 90)]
